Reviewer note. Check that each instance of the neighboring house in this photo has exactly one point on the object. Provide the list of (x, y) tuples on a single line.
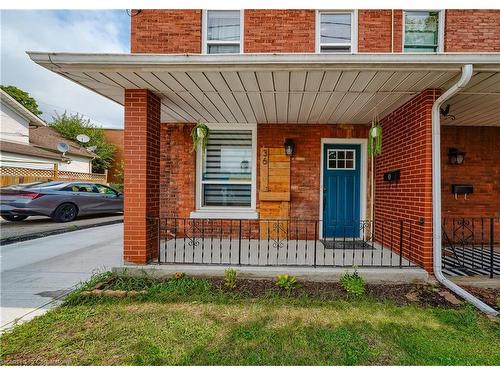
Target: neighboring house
[(115, 137), (26, 141), (313, 80)]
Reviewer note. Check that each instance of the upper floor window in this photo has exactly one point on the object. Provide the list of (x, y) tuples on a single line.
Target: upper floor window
[(335, 32), (222, 31), (423, 31)]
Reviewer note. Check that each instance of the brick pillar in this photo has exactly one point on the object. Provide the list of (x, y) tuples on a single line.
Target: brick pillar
[(407, 146), (142, 175)]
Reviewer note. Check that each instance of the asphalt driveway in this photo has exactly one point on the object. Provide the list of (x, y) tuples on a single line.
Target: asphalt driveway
[(41, 226), (36, 274)]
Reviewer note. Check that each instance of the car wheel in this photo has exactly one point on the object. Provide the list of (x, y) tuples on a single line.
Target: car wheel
[(14, 217), (65, 212)]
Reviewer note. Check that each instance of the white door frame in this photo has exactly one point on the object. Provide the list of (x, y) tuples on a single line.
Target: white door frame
[(363, 142)]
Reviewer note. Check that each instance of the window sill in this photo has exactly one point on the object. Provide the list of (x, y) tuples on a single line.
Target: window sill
[(212, 214)]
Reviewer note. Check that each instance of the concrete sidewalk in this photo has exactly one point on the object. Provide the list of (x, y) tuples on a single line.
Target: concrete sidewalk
[(36, 273), (41, 226)]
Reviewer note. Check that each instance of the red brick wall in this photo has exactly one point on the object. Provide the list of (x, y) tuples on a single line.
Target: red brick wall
[(292, 30), (305, 164), (166, 31), (398, 30), (177, 171), (142, 172), (407, 146), (472, 30), (374, 30), (279, 30), (481, 169), (177, 165)]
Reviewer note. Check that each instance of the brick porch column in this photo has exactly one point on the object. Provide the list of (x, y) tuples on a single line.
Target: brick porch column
[(407, 146), (142, 175)]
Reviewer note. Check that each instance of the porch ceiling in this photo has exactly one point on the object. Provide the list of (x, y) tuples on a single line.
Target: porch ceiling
[(286, 88)]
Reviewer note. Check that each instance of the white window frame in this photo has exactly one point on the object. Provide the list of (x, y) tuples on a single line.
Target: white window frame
[(204, 36), (441, 27), (354, 30), (345, 168), (227, 212)]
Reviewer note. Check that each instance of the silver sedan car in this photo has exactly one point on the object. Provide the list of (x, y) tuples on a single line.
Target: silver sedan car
[(63, 201)]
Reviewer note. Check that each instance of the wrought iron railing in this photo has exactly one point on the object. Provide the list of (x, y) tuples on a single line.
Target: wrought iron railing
[(286, 243), (471, 246)]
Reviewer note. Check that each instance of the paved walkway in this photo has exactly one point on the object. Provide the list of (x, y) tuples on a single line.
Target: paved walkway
[(36, 273), (40, 226)]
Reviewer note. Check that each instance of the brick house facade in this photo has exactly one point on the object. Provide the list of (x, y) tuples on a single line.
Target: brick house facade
[(281, 82)]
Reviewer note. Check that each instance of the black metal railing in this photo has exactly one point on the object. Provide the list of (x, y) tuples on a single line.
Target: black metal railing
[(471, 246), (286, 243)]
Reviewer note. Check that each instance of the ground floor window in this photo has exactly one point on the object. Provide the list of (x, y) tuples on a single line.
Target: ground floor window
[(226, 170)]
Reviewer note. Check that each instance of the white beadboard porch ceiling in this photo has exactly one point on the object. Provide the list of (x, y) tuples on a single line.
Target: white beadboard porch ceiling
[(286, 88)]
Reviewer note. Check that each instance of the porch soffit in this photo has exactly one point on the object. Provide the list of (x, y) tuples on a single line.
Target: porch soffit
[(296, 88)]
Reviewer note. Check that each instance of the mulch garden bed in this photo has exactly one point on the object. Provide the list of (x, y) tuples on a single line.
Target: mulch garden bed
[(424, 295), (487, 295)]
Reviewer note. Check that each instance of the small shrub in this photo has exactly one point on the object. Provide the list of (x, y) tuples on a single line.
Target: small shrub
[(287, 282), (353, 284), (179, 275), (498, 303), (230, 278)]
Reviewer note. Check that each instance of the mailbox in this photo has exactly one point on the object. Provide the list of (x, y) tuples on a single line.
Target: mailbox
[(462, 189), (392, 176)]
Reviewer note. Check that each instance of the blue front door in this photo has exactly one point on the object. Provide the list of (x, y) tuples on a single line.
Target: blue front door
[(341, 190)]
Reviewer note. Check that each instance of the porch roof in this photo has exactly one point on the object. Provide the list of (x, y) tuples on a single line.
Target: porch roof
[(286, 88)]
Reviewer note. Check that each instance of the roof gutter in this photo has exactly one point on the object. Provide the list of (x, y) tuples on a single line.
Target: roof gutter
[(467, 70)]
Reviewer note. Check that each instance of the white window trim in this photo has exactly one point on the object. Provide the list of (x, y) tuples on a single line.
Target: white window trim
[(354, 30), (205, 42), (441, 27), (345, 168), (227, 212), (363, 142)]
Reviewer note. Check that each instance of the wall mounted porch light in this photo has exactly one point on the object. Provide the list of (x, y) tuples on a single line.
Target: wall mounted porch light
[(455, 156), (289, 147)]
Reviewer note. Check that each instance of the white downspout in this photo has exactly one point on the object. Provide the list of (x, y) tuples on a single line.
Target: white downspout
[(436, 191)]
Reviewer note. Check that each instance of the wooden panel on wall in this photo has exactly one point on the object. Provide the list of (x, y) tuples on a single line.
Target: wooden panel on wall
[(274, 194), (264, 169)]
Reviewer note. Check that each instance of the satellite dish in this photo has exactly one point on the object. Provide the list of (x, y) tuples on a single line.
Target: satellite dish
[(91, 148), (84, 138), (63, 147)]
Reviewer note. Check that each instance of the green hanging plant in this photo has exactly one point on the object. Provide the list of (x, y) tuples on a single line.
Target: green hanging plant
[(200, 135), (375, 139)]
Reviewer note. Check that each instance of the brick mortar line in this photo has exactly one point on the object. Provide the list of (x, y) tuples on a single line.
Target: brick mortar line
[(33, 236)]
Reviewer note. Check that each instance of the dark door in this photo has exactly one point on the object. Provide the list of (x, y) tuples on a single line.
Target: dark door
[(341, 190)]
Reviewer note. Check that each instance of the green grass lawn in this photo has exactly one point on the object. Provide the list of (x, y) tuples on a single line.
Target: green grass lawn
[(192, 322)]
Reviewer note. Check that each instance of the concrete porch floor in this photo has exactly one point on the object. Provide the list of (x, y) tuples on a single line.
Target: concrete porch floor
[(215, 251)]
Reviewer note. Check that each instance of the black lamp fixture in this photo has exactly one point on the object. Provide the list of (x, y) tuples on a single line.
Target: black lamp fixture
[(455, 156), (289, 147)]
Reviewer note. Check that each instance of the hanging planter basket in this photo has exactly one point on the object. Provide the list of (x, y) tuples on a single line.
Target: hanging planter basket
[(375, 139), (200, 135)]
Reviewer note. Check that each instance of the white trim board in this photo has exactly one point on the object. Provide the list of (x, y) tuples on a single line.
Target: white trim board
[(363, 142)]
